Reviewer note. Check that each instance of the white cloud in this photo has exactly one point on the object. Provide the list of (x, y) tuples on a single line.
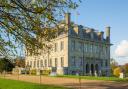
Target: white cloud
[(122, 49)]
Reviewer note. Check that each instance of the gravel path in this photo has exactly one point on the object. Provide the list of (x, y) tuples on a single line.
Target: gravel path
[(70, 82)]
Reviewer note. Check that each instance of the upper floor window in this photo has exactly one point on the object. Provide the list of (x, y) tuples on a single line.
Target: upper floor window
[(50, 63), (91, 48), (56, 47), (73, 45), (80, 46), (37, 63), (88, 47), (61, 45), (45, 62)]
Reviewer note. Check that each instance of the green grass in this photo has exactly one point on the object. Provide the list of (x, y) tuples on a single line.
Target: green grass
[(96, 78), (14, 84)]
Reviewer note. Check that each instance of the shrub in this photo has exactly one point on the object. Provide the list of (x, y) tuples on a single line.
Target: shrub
[(33, 72), (45, 72)]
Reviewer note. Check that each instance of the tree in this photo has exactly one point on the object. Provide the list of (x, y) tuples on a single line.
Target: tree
[(23, 21), (6, 65), (117, 71), (113, 64), (126, 69), (20, 62)]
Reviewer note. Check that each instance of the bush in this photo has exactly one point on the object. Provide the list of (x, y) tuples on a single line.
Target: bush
[(117, 71), (45, 72), (33, 72)]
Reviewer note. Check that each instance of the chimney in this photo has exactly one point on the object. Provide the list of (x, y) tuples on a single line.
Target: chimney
[(67, 20), (102, 35), (76, 29), (108, 34)]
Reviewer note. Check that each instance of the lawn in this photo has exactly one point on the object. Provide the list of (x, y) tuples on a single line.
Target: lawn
[(96, 78), (14, 84)]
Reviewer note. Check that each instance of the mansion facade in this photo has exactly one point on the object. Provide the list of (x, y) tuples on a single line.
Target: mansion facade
[(77, 50)]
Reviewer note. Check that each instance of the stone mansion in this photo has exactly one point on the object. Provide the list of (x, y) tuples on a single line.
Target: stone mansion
[(77, 50)]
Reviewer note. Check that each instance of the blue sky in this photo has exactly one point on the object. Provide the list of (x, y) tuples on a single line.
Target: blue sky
[(101, 13)]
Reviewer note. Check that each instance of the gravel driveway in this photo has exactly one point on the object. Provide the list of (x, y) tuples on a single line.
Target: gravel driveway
[(70, 82)]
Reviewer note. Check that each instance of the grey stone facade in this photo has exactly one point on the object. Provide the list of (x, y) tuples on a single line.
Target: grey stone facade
[(78, 49)]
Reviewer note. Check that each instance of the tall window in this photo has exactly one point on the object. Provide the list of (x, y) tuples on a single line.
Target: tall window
[(91, 48), (56, 47), (45, 63), (81, 61), (34, 63), (30, 63), (85, 47), (80, 46), (56, 62), (61, 45), (41, 63), (62, 61), (73, 45), (106, 63), (73, 62), (50, 64), (37, 63)]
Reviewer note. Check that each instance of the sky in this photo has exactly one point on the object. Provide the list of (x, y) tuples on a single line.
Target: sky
[(99, 14)]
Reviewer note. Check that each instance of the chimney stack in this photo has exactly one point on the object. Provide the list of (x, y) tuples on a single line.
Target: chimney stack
[(76, 29), (67, 20), (102, 35), (108, 34)]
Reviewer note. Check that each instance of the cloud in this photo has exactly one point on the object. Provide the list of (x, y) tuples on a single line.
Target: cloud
[(122, 49)]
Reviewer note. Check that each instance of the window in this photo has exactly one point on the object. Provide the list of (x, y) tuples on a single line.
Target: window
[(88, 48), (106, 63), (91, 48), (41, 63), (56, 47), (73, 45), (106, 51), (73, 62), (50, 64), (34, 63), (30, 63), (85, 47), (62, 45), (97, 49), (62, 61), (56, 62), (37, 63), (45, 61), (101, 63), (80, 46), (81, 61)]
